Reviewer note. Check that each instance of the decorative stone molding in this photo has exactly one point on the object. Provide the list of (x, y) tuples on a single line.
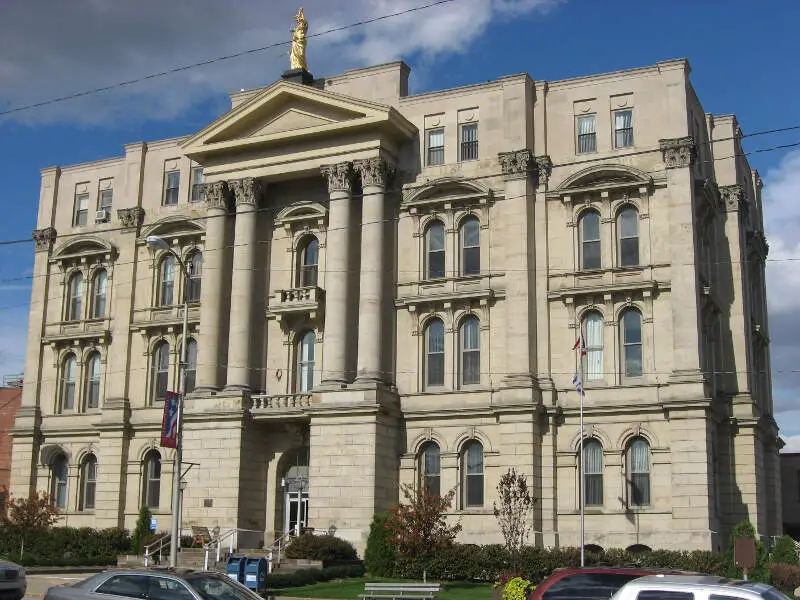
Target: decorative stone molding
[(247, 190), (544, 167), (678, 152), (217, 194), (131, 218), (518, 163), (339, 176), (731, 197), (374, 171), (44, 238)]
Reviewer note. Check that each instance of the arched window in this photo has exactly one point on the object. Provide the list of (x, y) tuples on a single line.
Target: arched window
[(589, 229), (191, 366), (59, 475), (434, 353), (593, 472), (638, 467), (99, 294), (166, 281), (88, 483), (470, 347), (160, 371), (472, 469), (151, 480), (628, 232), (93, 380), (429, 469), (593, 328), (308, 263), (75, 298), (69, 373), (631, 342), (306, 352), (470, 238), (195, 267), (434, 250)]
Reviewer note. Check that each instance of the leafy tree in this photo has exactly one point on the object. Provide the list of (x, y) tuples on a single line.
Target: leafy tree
[(142, 533), (784, 551), (760, 572), (419, 526), (514, 512), (32, 514), (380, 557)]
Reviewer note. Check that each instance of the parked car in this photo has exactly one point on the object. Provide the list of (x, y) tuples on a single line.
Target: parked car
[(590, 583), (13, 583), (695, 587), (153, 584)]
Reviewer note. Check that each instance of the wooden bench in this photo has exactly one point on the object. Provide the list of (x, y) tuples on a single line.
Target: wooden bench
[(418, 591), (200, 536)]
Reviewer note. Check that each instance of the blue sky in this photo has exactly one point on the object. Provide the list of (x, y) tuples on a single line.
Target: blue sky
[(743, 57)]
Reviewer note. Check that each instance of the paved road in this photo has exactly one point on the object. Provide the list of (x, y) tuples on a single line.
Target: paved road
[(39, 584)]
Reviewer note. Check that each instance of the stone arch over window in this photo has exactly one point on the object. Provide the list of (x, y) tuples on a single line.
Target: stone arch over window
[(92, 374), (434, 244), (59, 480), (88, 483), (593, 463), (446, 186), (627, 220), (151, 479), (472, 474), (434, 363), (630, 343), (593, 327), (637, 472), (69, 382), (429, 468), (469, 243), (469, 350), (159, 365), (589, 241), (99, 293), (307, 269), (305, 360), (194, 265), (604, 175), (74, 300)]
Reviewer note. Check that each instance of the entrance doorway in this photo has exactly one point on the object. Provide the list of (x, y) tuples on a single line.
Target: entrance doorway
[(295, 487), (296, 511)]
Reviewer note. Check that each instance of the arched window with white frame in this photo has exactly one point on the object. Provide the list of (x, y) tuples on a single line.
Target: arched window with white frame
[(69, 375), (151, 479), (306, 360), (59, 477), (469, 333), (434, 353), (308, 262), (93, 364), (470, 241), (434, 251), (593, 331), (593, 472), (75, 297), (160, 371), (638, 472), (430, 469), (194, 282), (630, 332), (99, 294), (88, 483), (191, 366), (472, 474), (628, 237), (166, 281), (589, 231)]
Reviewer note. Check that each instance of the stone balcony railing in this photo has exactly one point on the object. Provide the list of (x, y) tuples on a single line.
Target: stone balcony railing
[(280, 403), (296, 300), (87, 328)]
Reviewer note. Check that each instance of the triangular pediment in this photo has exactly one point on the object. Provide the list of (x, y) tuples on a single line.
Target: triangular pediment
[(286, 111)]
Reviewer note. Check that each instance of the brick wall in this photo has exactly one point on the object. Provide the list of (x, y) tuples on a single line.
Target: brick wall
[(10, 399)]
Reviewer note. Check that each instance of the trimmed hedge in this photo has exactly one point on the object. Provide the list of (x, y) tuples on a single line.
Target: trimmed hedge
[(311, 576), (325, 548), (64, 546)]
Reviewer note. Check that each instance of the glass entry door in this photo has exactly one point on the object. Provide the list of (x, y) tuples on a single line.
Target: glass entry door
[(296, 511)]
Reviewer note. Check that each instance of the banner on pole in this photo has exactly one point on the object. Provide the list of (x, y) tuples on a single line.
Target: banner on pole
[(169, 425)]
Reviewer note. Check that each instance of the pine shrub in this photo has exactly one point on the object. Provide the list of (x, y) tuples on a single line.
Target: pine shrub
[(380, 555)]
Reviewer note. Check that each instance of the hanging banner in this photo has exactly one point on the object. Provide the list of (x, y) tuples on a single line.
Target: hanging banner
[(169, 425)]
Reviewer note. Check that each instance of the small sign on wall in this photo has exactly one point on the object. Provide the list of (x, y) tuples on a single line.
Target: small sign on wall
[(153, 523)]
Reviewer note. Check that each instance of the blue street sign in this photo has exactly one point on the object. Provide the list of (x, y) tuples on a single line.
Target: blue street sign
[(152, 523)]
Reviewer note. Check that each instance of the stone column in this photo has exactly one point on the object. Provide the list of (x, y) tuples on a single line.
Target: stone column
[(375, 174), (247, 192), (217, 195), (679, 156), (518, 168), (540, 317), (337, 294)]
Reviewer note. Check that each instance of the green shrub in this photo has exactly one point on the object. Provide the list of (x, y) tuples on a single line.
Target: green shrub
[(65, 546), (380, 555), (761, 571), (303, 577), (325, 548), (141, 534), (784, 551), (785, 577)]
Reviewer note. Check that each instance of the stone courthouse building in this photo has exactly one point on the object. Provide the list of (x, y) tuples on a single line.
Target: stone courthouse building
[(386, 288)]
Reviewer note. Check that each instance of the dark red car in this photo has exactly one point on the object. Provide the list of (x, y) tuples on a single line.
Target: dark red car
[(591, 583)]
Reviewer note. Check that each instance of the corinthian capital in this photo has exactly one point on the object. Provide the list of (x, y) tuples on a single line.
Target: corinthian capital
[(247, 190), (678, 152), (518, 163), (731, 197), (131, 218), (339, 176), (544, 166), (44, 238), (217, 194), (374, 171)]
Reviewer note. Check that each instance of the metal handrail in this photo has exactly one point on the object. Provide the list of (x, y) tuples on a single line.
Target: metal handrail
[(157, 546), (216, 543), (277, 545)]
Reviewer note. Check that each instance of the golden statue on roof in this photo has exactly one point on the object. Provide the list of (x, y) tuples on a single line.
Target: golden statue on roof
[(297, 55)]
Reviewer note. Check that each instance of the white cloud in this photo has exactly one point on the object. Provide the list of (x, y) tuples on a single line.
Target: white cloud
[(792, 444), (54, 48)]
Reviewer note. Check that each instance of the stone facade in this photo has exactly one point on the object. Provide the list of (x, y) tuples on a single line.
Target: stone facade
[(386, 288)]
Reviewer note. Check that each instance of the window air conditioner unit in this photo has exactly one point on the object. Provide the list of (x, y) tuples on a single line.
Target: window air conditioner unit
[(101, 216)]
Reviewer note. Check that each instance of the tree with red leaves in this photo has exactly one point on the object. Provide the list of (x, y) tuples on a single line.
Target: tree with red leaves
[(419, 526), (34, 513)]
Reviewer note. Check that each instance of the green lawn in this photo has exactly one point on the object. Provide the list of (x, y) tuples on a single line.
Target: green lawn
[(351, 588)]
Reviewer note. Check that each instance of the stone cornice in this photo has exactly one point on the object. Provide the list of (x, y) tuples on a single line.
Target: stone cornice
[(374, 171), (247, 191), (131, 218), (339, 176), (44, 238), (217, 195), (678, 152)]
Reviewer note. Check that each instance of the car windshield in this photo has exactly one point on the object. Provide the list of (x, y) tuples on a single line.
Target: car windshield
[(773, 594), (215, 587)]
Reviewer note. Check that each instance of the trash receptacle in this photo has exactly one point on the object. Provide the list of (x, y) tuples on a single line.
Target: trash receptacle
[(234, 568), (255, 574)]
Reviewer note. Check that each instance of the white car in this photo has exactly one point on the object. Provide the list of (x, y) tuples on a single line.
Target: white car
[(13, 583), (695, 587)]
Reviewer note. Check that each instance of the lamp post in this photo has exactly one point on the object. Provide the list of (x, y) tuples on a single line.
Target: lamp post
[(158, 243)]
